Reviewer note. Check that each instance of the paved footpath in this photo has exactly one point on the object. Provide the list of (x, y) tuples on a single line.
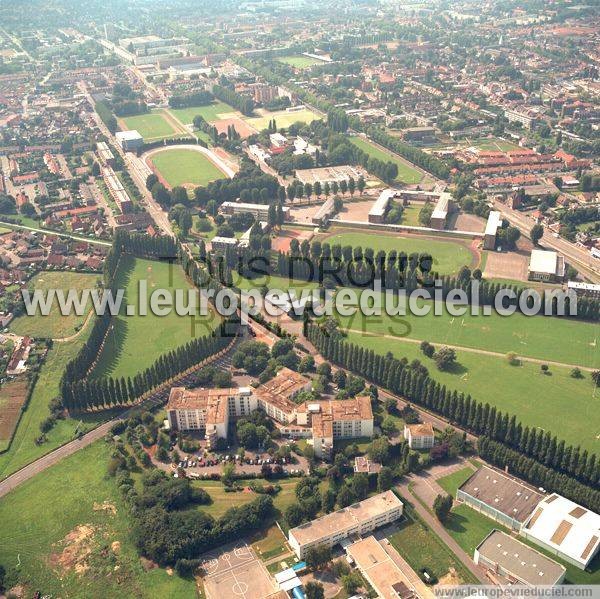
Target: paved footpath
[(27, 472)]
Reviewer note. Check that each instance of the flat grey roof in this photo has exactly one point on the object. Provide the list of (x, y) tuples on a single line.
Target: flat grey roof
[(522, 561), (503, 493)]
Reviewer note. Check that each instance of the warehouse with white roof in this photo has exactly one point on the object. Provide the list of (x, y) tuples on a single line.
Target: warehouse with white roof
[(566, 529)]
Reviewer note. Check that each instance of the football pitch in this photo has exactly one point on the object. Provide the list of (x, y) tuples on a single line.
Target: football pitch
[(448, 256), (186, 167), (150, 126), (299, 61), (210, 112), (283, 118)]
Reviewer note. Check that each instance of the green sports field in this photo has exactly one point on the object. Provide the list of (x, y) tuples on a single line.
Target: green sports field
[(406, 172), (492, 144), (135, 342), (448, 256), (210, 112), (299, 61), (50, 522), (530, 336), (537, 399), (186, 167), (55, 325), (283, 118), (150, 126)]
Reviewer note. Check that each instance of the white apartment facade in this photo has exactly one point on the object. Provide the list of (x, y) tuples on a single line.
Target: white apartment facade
[(358, 519)]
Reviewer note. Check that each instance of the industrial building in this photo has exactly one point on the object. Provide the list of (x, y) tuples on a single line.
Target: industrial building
[(491, 230), (506, 556), (546, 266), (130, 141), (357, 519), (500, 497), (565, 529)]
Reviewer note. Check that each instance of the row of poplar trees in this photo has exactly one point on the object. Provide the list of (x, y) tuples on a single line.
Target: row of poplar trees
[(80, 392), (508, 437)]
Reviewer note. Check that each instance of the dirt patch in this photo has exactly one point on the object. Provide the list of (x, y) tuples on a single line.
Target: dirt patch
[(148, 564), (12, 397), (450, 579), (358, 211), (243, 129), (77, 547), (282, 242), (460, 221), (506, 265), (105, 506)]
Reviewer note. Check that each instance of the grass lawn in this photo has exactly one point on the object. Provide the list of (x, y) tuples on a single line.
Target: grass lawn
[(406, 172), (410, 215), (537, 400), (135, 342), (422, 548), (533, 337), (455, 480), (468, 528), (269, 543), (150, 126), (23, 449), (299, 61), (55, 325), (186, 167), (272, 282), (283, 118), (448, 256), (222, 501), (210, 112), (493, 144), (34, 525)]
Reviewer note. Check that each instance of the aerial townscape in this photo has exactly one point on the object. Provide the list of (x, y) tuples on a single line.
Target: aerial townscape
[(233, 173)]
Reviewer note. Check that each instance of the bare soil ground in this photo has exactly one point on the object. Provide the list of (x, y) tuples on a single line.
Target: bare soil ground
[(304, 214), (282, 242), (460, 221), (243, 128), (357, 211), (506, 265), (12, 397)]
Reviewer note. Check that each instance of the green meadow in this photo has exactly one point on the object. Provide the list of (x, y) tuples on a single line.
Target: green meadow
[(537, 399), (135, 342)]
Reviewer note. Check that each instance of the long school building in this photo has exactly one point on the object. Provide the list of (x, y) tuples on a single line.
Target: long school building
[(358, 519)]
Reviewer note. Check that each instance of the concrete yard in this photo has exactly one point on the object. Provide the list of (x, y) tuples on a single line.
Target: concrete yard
[(235, 571)]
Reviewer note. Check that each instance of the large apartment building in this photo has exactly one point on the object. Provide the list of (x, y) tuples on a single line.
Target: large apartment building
[(337, 419), (323, 421), (357, 519)]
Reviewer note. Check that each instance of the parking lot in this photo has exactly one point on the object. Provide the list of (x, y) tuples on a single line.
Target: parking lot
[(235, 571), (201, 464)]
